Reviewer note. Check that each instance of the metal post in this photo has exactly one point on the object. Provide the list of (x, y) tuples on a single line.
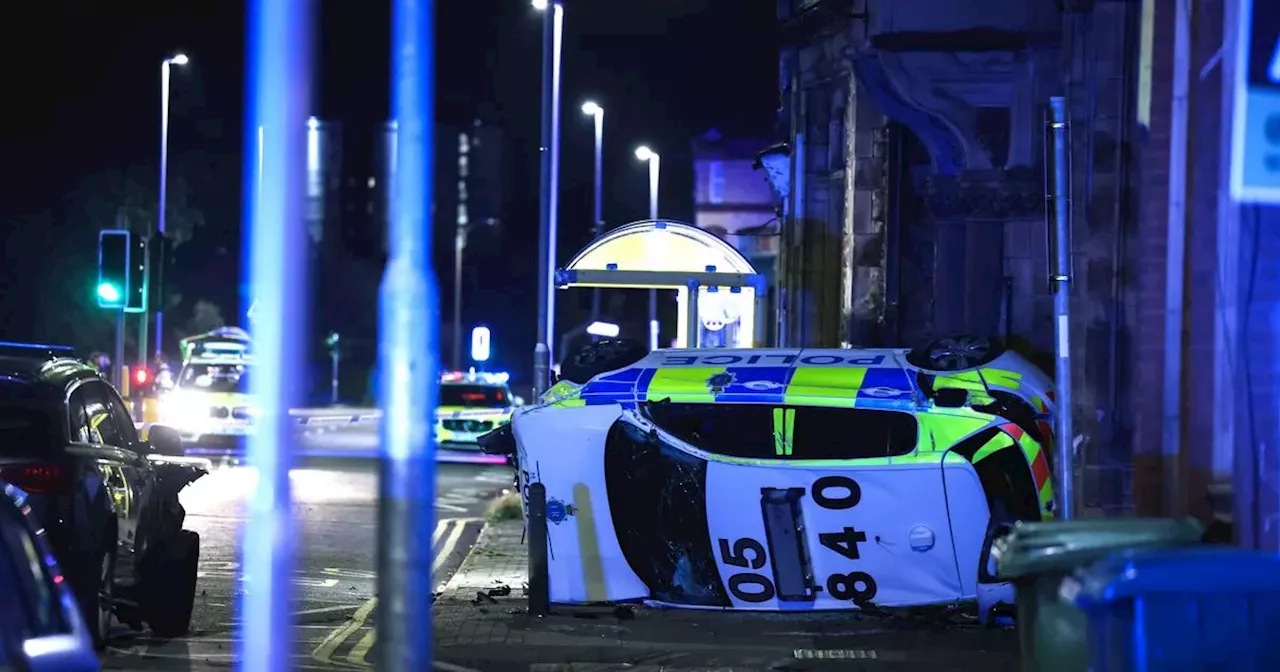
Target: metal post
[(409, 318), (459, 252), (143, 320), (333, 376), (598, 205), (539, 580), (552, 23), (655, 162), (692, 322), (118, 368), (1061, 278), (160, 212), (278, 96), (1176, 259)]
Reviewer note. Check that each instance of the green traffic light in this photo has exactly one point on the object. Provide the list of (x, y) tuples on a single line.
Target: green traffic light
[(108, 292)]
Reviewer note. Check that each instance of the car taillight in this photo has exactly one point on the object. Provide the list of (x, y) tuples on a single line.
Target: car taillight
[(37, 478)]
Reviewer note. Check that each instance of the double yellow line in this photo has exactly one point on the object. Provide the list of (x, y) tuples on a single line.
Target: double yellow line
[(324, 653)]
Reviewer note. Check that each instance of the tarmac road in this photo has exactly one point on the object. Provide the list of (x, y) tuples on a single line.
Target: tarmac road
[(335, 511)]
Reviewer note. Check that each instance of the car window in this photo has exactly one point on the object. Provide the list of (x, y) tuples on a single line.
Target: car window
[(104, 427), (222, 378), (23, 428), (474, 396), (78, 418), (120, 413), (761, 431)]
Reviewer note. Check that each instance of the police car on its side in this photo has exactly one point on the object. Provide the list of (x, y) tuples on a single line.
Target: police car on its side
[(210, 403), (472, 404)]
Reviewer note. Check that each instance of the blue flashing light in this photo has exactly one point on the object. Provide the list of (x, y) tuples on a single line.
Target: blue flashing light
[(277, 98), (39, 346)]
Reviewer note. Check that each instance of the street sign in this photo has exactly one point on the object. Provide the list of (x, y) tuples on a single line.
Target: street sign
[(1255, 142)]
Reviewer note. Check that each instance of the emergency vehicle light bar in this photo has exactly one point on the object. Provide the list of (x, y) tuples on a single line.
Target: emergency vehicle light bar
[(491, 378)]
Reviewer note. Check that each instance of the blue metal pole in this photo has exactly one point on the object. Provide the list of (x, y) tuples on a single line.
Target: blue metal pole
[(552, 26), (408, 339), (278, 97), (1064, 463)]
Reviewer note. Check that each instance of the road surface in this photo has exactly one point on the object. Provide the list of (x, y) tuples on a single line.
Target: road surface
[(335, 513)]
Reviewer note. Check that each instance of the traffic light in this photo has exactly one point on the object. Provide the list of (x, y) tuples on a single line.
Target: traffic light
[(141, 377), (136, 299), (157, 257), (114, 248)]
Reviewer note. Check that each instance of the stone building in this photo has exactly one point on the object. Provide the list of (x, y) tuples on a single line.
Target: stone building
[(911, 171)]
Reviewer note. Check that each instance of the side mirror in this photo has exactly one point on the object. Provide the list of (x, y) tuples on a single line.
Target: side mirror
[(165, 441)]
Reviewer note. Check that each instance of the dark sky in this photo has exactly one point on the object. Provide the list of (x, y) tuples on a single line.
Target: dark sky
[(81, 81)]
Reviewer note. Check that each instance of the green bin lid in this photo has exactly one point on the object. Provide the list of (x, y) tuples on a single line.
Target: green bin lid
[(1039, 548)]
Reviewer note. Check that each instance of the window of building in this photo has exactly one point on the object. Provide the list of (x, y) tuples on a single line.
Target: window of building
[(715, 182)]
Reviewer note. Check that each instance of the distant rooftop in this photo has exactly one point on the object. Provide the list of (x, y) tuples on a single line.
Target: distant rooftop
[(713, 145)]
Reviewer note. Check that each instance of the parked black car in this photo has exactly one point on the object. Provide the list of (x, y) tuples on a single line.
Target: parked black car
[(41, 629), (108, 500)]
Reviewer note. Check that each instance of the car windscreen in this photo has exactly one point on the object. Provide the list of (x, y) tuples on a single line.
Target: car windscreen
[(780, 432), (233, 378), (24, 428), (474, 396)]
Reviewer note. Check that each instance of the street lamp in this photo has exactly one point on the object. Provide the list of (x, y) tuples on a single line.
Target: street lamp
[(595, 111), (655, 162), (178, 59), (552, 33)]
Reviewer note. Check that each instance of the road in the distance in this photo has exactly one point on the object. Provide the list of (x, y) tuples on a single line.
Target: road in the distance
[(335, 512)]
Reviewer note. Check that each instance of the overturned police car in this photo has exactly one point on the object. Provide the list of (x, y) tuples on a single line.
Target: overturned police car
[(783, 479)]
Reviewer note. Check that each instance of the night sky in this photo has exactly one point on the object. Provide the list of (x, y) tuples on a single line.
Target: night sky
[(82, 110)]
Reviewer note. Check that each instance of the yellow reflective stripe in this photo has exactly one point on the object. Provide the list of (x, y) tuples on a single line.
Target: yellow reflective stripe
[(569, 403), (685, 384), (1046, 501), (836, 385), (996, 443), (561, 391), (948, 430), (1003, 378), (784, 424)]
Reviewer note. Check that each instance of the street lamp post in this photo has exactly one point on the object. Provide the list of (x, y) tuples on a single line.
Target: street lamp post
[(593, 110), (157, 275), (552, 31), (655, 163)]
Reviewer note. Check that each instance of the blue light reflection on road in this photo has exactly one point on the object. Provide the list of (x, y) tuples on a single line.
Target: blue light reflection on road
[(277, 99)]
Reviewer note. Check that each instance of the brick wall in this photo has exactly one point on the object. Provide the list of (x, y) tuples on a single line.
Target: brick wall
[(1148, 258)]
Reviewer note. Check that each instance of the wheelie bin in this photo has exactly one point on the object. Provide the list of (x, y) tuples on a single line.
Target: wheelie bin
[(1037, 557), (1208, 608)]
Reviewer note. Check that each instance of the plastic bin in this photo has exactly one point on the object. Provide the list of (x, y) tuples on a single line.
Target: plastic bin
[(1208, 608), (1036, 557)]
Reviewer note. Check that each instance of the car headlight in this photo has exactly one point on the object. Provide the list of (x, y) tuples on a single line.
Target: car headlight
[(183, 409)]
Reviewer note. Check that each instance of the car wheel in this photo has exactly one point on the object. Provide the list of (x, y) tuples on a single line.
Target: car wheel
[(609, 354), (171, 586), (956, 353), (95, 594)]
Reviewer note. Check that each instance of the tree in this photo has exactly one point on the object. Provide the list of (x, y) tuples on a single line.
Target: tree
[(205, 317), (129, 198)]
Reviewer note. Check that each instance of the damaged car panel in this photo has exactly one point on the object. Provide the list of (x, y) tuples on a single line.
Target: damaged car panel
[(783, 479)]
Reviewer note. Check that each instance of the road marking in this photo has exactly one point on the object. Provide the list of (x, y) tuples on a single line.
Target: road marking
[(362, 647), (324, 652), (450, 543)]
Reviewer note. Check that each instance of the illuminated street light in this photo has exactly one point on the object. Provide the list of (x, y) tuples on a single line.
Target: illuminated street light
[(596, 112), (549, 187), (157, 274), (539, 4), (655, 163)]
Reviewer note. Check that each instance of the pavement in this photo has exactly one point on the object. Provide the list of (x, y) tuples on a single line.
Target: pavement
[(480, 623), (336, 503)]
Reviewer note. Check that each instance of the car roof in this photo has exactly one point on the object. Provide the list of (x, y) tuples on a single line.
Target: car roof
[(40, 379)]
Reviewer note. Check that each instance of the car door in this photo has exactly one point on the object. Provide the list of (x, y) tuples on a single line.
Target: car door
[(128, 473)]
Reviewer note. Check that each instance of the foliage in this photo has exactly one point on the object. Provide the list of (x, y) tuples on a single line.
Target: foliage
[(205, 317), (506, 507), (128, 198)]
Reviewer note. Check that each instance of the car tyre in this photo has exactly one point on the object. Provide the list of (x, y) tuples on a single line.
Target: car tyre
[(956, 353), (171, 586), (608, 354), (96, 596)]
